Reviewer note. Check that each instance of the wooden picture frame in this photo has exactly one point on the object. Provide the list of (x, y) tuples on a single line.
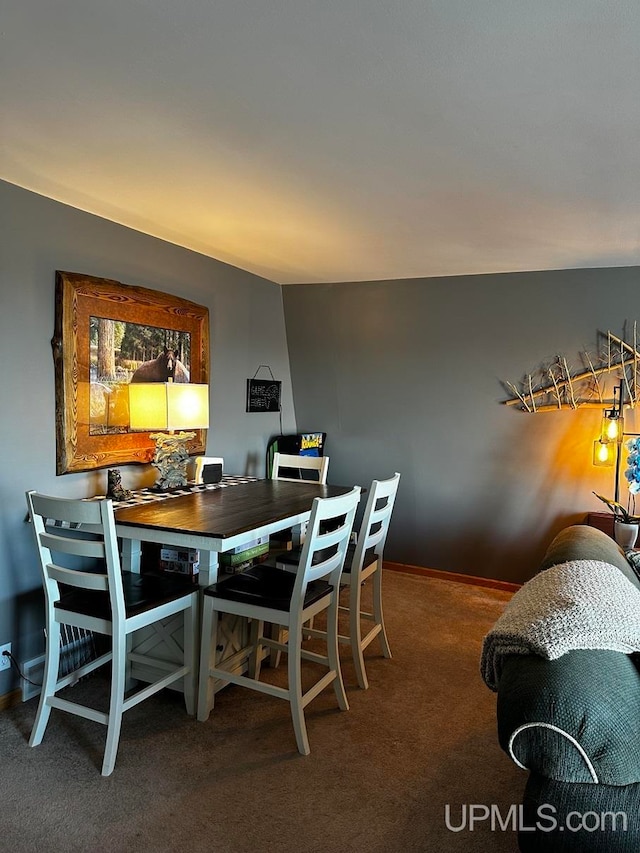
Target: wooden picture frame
[(82, 301)]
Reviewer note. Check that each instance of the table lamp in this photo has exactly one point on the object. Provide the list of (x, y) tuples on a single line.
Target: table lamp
[(169, 406)]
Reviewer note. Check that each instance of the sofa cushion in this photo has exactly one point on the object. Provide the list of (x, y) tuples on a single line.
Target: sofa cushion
[(581, 542)]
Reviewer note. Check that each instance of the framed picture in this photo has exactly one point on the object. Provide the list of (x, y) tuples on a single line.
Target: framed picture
[(109, 334)]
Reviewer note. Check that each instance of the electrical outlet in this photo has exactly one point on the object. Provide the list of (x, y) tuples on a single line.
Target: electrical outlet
[(5, 661)]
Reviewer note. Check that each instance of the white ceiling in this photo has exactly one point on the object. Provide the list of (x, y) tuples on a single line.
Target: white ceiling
[(335, 140)]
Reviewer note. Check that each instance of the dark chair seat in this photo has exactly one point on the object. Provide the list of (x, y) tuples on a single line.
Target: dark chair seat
[(265, 587), (142, 592)]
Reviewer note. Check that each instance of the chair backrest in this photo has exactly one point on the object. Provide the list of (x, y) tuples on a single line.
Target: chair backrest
[(325, 545), (77, 532), (319, 464), (202, 469), (375, 520)]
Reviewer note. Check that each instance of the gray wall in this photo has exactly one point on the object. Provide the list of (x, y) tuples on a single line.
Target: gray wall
[(405, 376), (38, 236)]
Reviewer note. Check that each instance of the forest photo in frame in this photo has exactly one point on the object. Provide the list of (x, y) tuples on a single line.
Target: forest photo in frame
[(106, 335)]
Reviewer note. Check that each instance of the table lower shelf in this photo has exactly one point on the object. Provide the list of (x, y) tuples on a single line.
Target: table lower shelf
[(167, 645)]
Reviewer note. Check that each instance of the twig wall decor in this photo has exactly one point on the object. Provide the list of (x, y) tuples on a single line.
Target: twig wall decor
[(556, 385)]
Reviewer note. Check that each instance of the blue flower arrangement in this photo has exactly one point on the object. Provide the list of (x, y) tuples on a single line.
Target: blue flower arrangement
[(632, 473)]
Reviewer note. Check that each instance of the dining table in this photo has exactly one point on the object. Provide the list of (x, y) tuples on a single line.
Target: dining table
[(215, 517), (212, 518)]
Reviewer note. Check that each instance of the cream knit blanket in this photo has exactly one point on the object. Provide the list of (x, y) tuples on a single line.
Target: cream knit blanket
[(582, 604)]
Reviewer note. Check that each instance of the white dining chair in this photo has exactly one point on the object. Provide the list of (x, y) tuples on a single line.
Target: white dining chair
[(284, 464), (288, 599), (363, 561), (309, 469), (85, 587)]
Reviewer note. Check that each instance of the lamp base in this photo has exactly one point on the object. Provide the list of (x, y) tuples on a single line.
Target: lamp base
[(171, 459)]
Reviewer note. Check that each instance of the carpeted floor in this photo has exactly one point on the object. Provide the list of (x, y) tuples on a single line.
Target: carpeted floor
[(378, 779)]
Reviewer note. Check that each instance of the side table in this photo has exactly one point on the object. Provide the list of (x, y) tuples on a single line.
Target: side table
[(602, 520)]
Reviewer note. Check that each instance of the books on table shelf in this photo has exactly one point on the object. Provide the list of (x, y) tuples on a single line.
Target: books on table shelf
[(241, 567), (186, 561), (181, 561), (234, 561)]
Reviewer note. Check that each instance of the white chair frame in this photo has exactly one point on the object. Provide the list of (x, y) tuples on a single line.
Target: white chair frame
[(53, 518), (371, 539), (341, 507), (302, 463)]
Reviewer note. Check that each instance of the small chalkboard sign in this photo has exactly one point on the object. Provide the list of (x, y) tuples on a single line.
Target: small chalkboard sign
[(263, 395)]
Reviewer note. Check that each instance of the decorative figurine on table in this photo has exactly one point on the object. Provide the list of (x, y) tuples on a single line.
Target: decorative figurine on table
[(115, 489), (171, 459)]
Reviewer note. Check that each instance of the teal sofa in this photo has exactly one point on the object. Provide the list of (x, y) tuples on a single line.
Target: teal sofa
[(574, 724)]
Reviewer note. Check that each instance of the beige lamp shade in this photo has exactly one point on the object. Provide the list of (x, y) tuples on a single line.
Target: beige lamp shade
[(168, 406)]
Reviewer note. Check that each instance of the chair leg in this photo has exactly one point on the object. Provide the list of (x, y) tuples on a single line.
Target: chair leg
[(190, 659), (207, 655), (276, 633), (130, 681), (255, 658), (52, 664), (355, 632), (295, 689), (333, 653), (118, 679), (377, 611)]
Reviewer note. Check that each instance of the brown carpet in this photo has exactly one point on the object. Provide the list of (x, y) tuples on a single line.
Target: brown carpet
[(378, 777)]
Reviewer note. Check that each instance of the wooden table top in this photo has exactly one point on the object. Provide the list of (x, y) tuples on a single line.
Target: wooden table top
[(224, 513)]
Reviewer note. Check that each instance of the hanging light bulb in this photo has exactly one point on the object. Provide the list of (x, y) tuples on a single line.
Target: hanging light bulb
[(604, 453), (606, 447), (611, 428)]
